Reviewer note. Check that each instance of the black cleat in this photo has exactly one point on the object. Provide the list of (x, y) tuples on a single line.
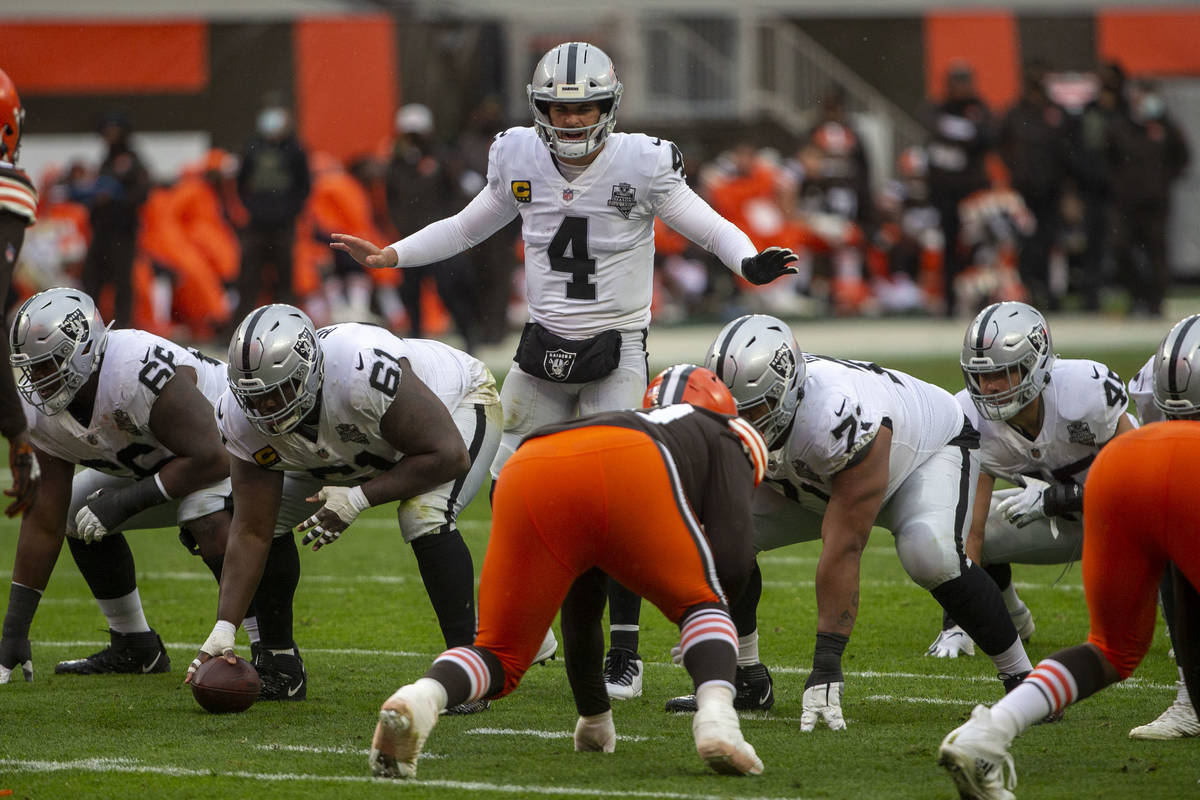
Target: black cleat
[(474, 707), (127, 653), (755, 692), (283, 676)]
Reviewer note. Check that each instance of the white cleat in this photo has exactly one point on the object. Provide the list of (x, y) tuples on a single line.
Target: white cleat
[(976, 756), (1177, 722), (719, 741), (622, 674), (405, 721), (950, 643), (548, 649), (1023, 619)]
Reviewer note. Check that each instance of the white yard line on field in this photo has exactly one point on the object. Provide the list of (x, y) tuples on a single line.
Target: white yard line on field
[(1131, 683), (348, 751), (129, 765), (542, 734), (937, 701)]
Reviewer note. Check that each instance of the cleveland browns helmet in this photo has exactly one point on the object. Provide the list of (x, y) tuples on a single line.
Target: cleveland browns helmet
[(12, 117), (574, 72), (688, 383)]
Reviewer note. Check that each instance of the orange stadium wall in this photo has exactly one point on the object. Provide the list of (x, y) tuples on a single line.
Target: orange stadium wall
[(1162, 42), (987, 41), (346, 83)]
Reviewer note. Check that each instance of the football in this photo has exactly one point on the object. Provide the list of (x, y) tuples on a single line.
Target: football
[(221, 688)]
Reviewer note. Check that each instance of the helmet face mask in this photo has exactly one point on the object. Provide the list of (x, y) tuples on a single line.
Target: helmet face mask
[(757, 357), (275, 368), (56, 340), (1177, 371), (574, 72), (1007, 355)]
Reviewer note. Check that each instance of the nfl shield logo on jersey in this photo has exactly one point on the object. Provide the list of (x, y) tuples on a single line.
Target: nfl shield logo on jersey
[(568, 194), (558, 364)]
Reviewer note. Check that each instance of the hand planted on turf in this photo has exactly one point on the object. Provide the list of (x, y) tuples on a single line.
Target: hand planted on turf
[(14, 653), (342, 506), (1026, 506), (596, 733), (364, 252), (26, 474), (823, 701), (218, 643)]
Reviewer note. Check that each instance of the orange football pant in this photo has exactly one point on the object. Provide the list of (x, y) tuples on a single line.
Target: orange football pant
[(590, 497), (1140, 511)]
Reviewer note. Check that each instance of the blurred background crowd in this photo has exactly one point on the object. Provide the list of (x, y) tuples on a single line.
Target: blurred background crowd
[(1061, 197)]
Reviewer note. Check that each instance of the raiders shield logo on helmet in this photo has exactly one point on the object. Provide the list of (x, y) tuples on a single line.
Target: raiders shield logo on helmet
[(558, 364), (75, 325), (783, 363)]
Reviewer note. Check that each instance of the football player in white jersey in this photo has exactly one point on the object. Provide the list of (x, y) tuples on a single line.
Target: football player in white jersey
[(1179, 721), (321, 425), (854, 445), (1041, 422), (587, 198), (135, 411)]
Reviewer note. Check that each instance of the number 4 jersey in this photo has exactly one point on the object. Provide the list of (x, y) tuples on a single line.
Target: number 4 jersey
[(136, 365), (362, 374)]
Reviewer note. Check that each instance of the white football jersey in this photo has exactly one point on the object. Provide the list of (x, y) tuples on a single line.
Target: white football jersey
[(362, 372), (843, 406), (1083, 403), (118, 441), (589, 242), (1141, 392)]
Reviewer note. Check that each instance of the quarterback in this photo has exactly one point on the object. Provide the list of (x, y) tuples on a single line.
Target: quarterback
[(855, 445), (1041, 422), (135, 411), (587, 198), (1140, 522), (323, 424)]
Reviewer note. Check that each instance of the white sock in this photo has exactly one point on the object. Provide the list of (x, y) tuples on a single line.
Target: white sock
[(434, 691), (1013, 660), (719, 692), (1182, 696), (291, 651), (748, 649), (250, 626), (124, 614), (1020, 710)]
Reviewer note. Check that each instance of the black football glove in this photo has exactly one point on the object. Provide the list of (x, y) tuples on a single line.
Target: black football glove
[(768, 265)]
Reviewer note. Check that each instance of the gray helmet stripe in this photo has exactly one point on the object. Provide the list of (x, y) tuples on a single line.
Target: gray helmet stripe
[(1172, 383), (675, 384), (725, 346), (983, 323), (248, 337), (572, 51)]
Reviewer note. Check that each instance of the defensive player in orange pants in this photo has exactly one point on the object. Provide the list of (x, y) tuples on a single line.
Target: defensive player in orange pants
[(660, 500), (1140, 518)]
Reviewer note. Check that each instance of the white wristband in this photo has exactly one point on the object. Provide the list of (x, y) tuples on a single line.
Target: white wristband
[(221, 638)]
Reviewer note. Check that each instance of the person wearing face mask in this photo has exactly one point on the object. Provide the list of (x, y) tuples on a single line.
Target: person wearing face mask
[(273, 183), (1146, 152)]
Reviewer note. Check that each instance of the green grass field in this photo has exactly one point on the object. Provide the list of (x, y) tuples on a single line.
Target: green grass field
[(365, 627)]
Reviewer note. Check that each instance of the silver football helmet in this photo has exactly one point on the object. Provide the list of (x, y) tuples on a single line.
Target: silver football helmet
[(56, 339), (757, 357), (574, 72), (1010, 338), (275, 367), (1177, 370)]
